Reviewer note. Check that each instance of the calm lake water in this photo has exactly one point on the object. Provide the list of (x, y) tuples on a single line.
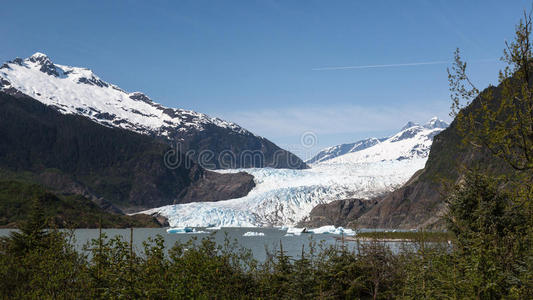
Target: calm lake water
[(292, 245)]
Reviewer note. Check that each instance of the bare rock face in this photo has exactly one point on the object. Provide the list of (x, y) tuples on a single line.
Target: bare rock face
[(339, 213), (417, 205), (215, 186), (420, 203), (161, 220)]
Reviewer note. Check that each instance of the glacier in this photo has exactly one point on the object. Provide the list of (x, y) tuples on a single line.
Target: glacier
[(284, 197)]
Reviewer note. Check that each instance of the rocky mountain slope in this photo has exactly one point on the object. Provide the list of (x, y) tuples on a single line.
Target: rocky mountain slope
[(118, 169), (419, 203), (213, 142)]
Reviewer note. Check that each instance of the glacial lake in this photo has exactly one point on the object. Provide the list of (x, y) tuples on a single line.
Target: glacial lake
[(292, 244)]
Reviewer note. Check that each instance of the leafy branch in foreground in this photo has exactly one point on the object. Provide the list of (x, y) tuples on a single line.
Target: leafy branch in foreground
[(499, 119)]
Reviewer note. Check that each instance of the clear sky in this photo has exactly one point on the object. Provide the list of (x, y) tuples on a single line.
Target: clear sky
[(267, 65)]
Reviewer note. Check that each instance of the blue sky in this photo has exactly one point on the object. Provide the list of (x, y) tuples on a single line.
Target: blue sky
[(258, 63)]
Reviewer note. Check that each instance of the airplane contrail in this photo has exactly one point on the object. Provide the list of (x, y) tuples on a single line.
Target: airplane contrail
[(438, 62)]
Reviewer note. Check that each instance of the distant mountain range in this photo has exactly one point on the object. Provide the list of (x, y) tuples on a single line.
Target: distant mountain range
[(413, 140), (335, 151), (215, 143)]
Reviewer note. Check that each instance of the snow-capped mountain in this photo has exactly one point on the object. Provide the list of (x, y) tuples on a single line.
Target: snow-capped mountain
[(332, 152), (73, 90), (286, 197), (413, 140)]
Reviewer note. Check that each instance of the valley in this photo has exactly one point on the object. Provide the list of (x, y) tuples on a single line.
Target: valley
[(284, 197), (188, 167)]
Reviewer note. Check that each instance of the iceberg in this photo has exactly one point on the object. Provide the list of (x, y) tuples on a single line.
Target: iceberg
[(179, 230), (332, 230), (214, 228), (185, 230), (253, 233)]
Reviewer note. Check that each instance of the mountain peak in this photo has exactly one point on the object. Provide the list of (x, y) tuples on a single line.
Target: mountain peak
[(409, 125), (39, 57), (39, 54), (44, 63), (435, 122)]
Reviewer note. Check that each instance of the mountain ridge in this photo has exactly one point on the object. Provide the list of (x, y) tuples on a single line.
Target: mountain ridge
[(117, 169), (410, 130), (75, 90)]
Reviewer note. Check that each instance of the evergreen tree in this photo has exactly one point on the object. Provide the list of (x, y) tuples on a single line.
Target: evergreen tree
[(32, 233)]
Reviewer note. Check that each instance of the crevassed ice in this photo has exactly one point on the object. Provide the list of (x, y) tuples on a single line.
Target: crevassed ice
[(285, 197)]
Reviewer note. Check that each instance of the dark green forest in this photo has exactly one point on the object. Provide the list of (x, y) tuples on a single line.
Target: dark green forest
[(489, 258), (59, 211)]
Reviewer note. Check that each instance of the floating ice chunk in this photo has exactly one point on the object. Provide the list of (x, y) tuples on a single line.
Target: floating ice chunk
[(323, 229), (332, 230), (214, 228), (253, 233), (347, 231), (180, 230)]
